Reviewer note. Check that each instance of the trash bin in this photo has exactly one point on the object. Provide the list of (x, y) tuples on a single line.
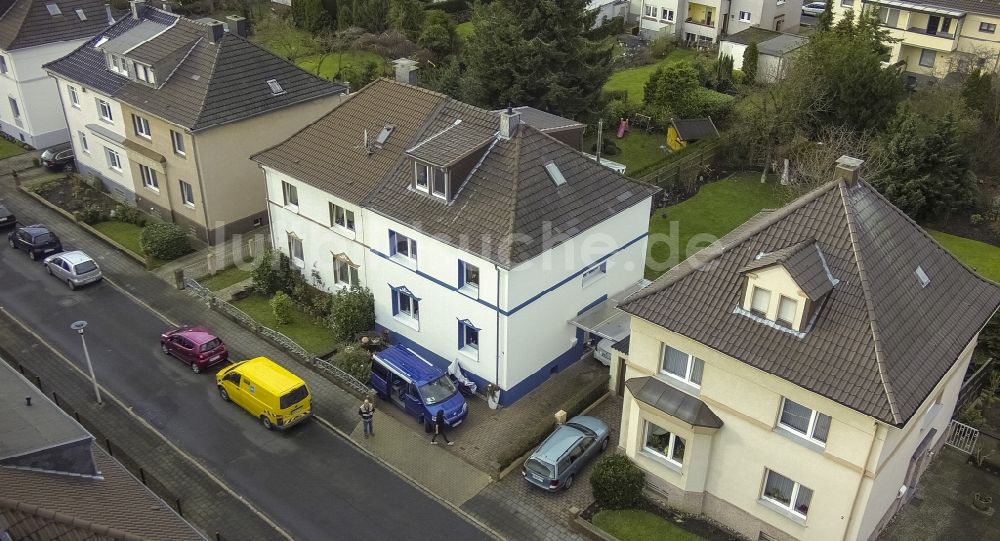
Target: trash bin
[(179, 278)]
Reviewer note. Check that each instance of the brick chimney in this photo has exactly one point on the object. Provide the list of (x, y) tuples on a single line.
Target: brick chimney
[(848, 169), (509, 120), (237, 25), (137, 8)]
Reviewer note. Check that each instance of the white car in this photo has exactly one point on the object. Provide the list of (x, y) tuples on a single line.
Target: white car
[(814, 8), (74, 268)]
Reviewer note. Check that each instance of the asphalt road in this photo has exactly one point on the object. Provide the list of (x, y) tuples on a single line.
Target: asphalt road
[(309, 480)]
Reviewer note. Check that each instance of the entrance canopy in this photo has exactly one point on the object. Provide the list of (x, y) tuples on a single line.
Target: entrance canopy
[(605, 319)]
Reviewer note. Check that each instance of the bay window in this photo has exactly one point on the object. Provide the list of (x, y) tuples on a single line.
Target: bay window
[(664, 444)]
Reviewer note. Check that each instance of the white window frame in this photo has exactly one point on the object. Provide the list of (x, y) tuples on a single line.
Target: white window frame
[(746, 19), (428, 178), (595, 273), (84, 146), (412, 315), (177, 140), (148, 176), (782, 299), (692, 361), (650, 11), (753, 295), (187, 193), (987, 28), (796, 486), (411, 247), (667, 14), (346, 216), (114, 159), (74, 98), (467, 286), (141, 126), (297, 260), (290, 195), (104, 111), (345, 273), (15, 108), (810, 432), (468, 348), (671, 446)]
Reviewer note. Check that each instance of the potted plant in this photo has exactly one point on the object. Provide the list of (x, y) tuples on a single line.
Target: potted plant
[(982, 502)]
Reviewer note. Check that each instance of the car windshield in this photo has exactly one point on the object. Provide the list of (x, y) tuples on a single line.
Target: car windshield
[(85, 267), (294, 397), (43, 238), (211, 344), (536, 466), (438, 390)]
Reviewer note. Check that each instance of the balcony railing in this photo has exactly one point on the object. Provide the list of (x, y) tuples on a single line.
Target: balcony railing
[(919, 30), (701, 22)]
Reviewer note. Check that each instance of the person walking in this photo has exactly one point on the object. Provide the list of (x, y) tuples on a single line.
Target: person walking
[(367, 414), (439, 429)]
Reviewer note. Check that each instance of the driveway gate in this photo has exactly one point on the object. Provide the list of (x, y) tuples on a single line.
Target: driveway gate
[(962, 437)]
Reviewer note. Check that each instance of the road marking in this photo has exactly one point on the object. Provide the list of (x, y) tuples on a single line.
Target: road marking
[(128, 409)]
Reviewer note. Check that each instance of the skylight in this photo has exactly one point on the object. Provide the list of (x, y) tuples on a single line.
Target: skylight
[(275, 87), (922, 277), (383, 135), (53, 9), (555, 174), (81, 15)]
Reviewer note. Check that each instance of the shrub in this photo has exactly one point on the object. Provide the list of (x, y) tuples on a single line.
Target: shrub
[(164, 241), (661, 47), (356, 361), (91, 214), (272, 274), (351, 311), (129, 215), (976, 219), (617, 482), (312, 300), (281, 307)]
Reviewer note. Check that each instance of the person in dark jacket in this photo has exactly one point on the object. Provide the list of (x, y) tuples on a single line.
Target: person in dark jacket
[(367, 414), (439, 429)]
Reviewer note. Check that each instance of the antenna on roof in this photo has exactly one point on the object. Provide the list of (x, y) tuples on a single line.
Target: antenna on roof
[(364, 143)]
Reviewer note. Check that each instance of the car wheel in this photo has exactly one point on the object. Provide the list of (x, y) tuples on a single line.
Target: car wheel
[(223, 393), (568, 483), (266, 422), (32, 255), (69, 168), (195, 368), (164, 349), (70, 285), (48, 269), (604, 444)]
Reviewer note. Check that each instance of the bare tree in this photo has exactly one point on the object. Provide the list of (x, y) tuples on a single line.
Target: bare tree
[(813, 162)]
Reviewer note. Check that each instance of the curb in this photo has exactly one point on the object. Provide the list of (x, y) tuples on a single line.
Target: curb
[(413, 482), (85, 227), (587, 528)]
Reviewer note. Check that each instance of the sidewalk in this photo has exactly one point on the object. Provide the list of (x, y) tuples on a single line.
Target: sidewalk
[(405, 450)]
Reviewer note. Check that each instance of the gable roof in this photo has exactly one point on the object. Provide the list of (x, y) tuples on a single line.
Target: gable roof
[(504, 204), (693, 129), (213, 84), (880, 341), (28, 23), (806, 264)]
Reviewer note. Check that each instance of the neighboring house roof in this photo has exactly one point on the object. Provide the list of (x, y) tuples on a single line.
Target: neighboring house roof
[(28, 23), (782, 44), (621, 346), (879, 342), (985, 7), (754, 34), (214, 83), (507, 209), (543, 121), (673, 402), (693, 129)]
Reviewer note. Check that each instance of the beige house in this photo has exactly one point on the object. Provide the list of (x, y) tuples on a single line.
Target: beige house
[(936, 37), (793, 380), (180, 107)]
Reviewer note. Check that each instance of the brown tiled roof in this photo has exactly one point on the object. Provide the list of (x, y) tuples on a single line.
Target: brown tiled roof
[(28, 23), (806, 264), (880, 341), (507, 199), (117, 506), (451, 144)]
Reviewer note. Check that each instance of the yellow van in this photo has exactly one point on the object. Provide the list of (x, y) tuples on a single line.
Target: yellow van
[(270, 393)]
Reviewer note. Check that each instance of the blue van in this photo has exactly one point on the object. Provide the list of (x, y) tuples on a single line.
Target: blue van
[(417, 386)]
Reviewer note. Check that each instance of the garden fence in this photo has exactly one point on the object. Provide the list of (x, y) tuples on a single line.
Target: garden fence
[(962, 437), (342, 378), (974, 385), (683, 175)]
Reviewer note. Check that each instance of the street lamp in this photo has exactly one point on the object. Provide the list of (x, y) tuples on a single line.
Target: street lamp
[(78, 327)]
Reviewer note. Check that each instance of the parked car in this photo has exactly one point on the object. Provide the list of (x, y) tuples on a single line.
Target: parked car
[(7, 218), (814, 8), (418, 387), (75, 268), (275, 396), (59, 157), (195, 346), (36, 239), (555, 463)]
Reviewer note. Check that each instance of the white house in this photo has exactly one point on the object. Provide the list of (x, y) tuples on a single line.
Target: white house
[(32, 33), (480, 235), (708, 21), (774, 51)]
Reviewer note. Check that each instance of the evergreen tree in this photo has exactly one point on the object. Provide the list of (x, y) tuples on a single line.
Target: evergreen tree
[(372, 15), (439, 34), (825, 20), (845, 26), (310, 15), (977, 89), (406, 16), (750, 56)]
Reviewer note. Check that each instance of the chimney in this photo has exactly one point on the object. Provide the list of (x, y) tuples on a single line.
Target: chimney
[(111, 18), (168, 7), (237, 25), (509, 121), (848, 169), (406, 70), (216, 30), (137, 7)]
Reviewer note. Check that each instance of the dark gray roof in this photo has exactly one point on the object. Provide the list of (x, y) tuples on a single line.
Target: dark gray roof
[(673, 402), (986, 7), (754, 34), (507, 198), (28, 23), (806, 264), (693, 129), (451, 144), (879, 343), (622, 345), (781, 44), (544, 121), (215, 83), (141, 32)]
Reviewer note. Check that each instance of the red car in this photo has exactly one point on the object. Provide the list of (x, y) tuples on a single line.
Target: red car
[(196, 346)]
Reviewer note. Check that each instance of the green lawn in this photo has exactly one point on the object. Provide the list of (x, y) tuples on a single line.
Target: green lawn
[(985, 258), (465, 29), (637, 149), (303, 330), (332, 62), (225, 278), (125, 234), (634, 525), (717, 208), (8, 149), (633, 80)]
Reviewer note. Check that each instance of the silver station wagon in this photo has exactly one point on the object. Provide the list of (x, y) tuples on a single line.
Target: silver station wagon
[(73, 268), (557, 461)]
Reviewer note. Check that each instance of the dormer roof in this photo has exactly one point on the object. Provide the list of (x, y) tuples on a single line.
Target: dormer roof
[(882, 340), (446, 147), (804, 262)]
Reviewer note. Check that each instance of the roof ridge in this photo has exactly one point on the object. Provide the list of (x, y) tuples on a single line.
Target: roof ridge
[(208, 87), (65, 519), (890, 395), (515, 183)]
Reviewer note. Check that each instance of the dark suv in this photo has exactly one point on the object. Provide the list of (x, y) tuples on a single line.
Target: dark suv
[(36, 239), (59, 157)]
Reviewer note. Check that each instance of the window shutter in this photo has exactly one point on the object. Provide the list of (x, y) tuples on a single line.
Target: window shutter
[(392, 249), (786, 310), (761, 300)]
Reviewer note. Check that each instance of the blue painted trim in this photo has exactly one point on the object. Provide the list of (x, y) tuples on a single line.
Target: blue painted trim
[(530, 383), (527, 302), (599, 300)]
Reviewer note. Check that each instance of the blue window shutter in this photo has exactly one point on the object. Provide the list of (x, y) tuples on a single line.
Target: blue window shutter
[(392, 247), (461, 274), (395, 301), (461, 334)]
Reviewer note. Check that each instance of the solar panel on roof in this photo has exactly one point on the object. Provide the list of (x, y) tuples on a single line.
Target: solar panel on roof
[(53, 9)]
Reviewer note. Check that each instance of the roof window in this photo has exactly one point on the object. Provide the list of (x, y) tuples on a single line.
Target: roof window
[(383, 135), (276, 89), (922, 277), (80, 14), (53, 9), (555, 174)]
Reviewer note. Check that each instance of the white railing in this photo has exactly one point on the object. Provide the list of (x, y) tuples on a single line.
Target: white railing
[(963, 437)]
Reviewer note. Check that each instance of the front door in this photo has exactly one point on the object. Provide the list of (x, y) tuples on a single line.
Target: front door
[(932, 24), (778, 23)]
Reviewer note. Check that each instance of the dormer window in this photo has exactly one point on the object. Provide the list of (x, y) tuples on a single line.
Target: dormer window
[(786, 287), (431, 180), (117, 64), (787, 308), (422, 176), (760, 301), (144, 73)]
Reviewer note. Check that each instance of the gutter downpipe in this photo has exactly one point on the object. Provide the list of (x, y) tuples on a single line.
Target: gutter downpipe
[(497, 269), (861, 482)]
